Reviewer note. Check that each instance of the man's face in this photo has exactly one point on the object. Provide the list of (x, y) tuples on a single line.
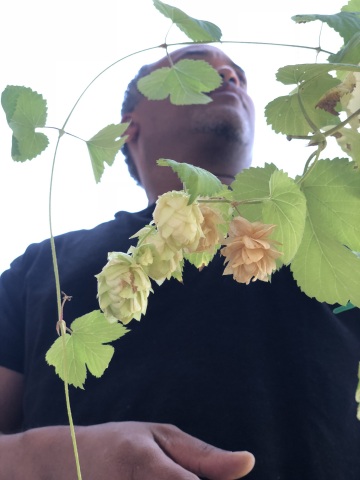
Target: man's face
[(217, 136)]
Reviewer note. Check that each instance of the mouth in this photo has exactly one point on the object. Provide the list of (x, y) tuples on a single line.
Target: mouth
[(227, 90)]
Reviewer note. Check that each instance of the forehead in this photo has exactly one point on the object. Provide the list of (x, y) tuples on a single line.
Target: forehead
[(210, 54)]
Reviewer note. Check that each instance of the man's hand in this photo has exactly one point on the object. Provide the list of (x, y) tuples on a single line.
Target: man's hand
[(124, 451)]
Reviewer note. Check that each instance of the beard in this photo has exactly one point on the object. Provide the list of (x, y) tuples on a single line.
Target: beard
[(228, 126)]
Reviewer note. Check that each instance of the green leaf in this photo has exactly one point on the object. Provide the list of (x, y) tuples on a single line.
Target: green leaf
[(184, 82), (104, 146), (349, 141), (351, 6), (198, 182), (201, 259), (196, 30), (326, 269), (332, 192), (253, 184), (285, 115), (297, 74), (25, 110), (283, 205), (349, 53), (84, 348), (348, 306), (345, 23), (325, 266)]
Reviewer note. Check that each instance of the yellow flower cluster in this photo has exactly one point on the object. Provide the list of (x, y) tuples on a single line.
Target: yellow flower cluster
[(179, 228)]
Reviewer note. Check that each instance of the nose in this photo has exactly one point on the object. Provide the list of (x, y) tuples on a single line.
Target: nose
[(228, 74)]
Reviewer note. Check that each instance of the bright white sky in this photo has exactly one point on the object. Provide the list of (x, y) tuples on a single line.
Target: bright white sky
[(57, 49)]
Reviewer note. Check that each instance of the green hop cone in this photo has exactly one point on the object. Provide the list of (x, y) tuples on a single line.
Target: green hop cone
[(123, 288), (178, 223), (159, 259)]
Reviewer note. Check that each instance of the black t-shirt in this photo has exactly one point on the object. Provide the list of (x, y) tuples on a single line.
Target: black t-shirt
[(259, 367)]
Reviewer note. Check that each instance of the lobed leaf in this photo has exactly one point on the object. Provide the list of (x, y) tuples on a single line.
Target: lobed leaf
[(104, 146), (297, 74), (200, 259), (345, 23), (185, 82), (196, 30), (25, 111), (325, 267), (198, 182), (351, 6), (332, 191), (84, 348), (283, 204), (285, 114)]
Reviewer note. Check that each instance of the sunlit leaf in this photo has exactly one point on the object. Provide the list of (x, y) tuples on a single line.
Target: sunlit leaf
[(333, 200), (296, 74), (185, 82), (285, 114), (201, 259), (345, 23), (283, 205), (104, 146), (196, 30), (25, 111), (197, 181), (325, 267), (351, 6), (349, 141), (350, 52), (85, 348)]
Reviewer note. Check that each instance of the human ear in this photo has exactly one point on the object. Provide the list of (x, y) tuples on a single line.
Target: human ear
[(133, 128)]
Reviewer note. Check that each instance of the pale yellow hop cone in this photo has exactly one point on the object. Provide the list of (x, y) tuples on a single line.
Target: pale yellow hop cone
[(212, 236), (159, 260), (123, 288), (178, 223), (250, 253)]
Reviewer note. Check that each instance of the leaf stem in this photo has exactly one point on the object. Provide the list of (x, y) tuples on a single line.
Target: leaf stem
[(60, 322), (308, 169), (270, 44), (68, 406), (342, 124)]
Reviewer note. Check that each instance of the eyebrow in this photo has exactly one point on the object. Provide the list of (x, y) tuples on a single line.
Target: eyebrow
[(203, 53)]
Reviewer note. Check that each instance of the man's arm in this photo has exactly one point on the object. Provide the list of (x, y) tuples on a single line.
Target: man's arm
[(11, 394), (126, 450)]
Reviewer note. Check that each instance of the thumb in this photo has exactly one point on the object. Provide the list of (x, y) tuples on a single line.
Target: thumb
[(201, 458)]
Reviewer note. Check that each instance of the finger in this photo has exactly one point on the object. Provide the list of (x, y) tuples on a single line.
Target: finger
[(201, 458)]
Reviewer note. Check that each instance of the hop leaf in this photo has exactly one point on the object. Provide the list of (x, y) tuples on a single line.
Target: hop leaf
[(325, 266), (84, 348), (25, 110), (196, 30), (104, 146), (184, 82), (197, 181), (283, 205), (345, 23)]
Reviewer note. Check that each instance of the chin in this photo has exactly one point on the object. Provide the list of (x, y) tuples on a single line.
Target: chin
[(226, 125)]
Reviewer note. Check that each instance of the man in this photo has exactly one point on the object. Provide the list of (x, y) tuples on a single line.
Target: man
[(256, 367)]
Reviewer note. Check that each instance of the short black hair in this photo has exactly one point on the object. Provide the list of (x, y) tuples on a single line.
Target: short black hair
[(132, 97)]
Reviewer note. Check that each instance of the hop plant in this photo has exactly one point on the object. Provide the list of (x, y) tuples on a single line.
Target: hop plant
[(249, 252), (177, 221), (123, 288), (159, 260), (210, 226)]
